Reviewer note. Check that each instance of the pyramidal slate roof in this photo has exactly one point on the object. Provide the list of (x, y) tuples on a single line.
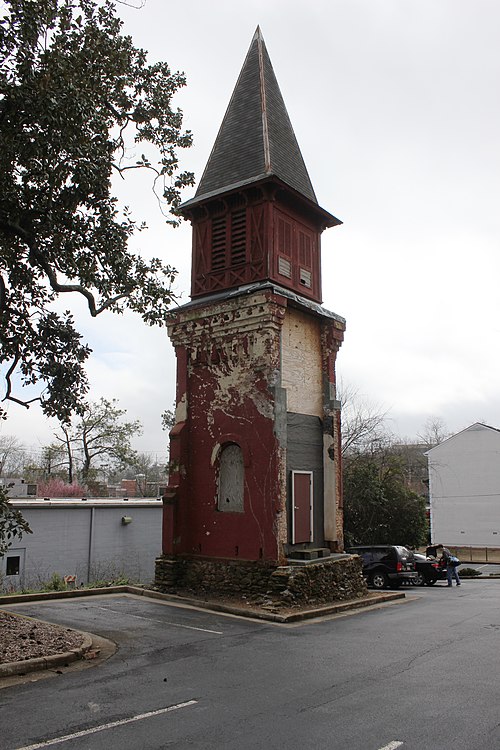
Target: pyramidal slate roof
[(256, 138)]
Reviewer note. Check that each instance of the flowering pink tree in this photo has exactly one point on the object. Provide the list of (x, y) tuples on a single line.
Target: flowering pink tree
[(59, 488)]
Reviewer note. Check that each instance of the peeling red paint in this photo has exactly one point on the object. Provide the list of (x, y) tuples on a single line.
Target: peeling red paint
[(225, 375), (229, 364)]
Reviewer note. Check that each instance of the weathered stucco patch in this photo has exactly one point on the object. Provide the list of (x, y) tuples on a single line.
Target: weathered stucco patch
[(181, 409), (302, 374)]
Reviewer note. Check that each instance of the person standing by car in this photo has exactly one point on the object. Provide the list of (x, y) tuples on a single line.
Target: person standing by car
[(451, 565)]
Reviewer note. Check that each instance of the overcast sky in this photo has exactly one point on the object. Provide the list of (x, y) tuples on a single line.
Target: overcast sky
[(396, 108)]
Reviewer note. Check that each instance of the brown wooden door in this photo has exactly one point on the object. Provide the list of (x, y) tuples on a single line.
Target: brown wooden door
[(302, 504)]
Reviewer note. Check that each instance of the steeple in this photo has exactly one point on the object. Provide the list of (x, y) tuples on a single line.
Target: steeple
[(256, 138), (255, 476)]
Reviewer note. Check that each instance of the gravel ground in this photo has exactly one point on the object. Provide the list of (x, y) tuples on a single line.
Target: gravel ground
[(22, 638)]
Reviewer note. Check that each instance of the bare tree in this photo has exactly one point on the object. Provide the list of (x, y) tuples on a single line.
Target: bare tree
[(66, 440), (363, 422), (12, 453), (434, 432), (151, 473)]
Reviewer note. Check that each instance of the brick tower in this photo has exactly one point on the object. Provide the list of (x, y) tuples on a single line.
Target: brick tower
[(255, 452)]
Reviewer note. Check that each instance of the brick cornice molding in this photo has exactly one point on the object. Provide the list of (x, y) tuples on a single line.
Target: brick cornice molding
[(237, 317)]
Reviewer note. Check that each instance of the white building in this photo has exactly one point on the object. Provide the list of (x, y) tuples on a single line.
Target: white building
[(464, 486), (18, 487), (94, 540)]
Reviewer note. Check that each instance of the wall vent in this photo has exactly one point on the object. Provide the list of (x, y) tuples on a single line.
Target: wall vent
[(305, 277), (284, 267)]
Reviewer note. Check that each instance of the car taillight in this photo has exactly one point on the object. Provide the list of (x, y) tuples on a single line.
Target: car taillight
[(399, 567), (435, 565)]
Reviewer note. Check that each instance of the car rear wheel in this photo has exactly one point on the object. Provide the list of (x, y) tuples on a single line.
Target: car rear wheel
[(379, 580), (419, 580)]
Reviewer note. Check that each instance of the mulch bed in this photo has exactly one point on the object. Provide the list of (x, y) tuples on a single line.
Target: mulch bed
[(22, 638)]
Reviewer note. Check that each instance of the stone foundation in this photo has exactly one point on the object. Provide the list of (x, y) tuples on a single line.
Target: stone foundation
[(204, 576), (331, 579)]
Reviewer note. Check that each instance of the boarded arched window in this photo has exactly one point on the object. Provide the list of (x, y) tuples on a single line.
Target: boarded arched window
[(231, 480)]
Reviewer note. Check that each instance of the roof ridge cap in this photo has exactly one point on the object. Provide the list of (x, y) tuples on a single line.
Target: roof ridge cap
[(256, 36), (263, 101)]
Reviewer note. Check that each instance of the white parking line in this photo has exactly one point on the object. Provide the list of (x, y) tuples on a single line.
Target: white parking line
[(162, 622), (391, 746), (103, 727)]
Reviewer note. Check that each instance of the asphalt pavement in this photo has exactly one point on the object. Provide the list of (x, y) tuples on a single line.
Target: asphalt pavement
[(415, 674)]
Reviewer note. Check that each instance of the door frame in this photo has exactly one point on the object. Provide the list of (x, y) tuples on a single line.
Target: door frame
[(311, 505)]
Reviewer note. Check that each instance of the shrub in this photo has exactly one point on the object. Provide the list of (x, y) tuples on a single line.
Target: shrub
[(56, 583), (470, 572)]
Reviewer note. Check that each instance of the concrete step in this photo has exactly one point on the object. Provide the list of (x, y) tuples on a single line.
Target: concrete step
[(311, 553)]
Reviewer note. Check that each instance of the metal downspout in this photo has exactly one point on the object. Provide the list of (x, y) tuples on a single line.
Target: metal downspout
[(91, 542)]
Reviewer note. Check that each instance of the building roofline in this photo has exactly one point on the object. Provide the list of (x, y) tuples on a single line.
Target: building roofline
[(66, 502), (460, 432), (295, 299), (329, 219)]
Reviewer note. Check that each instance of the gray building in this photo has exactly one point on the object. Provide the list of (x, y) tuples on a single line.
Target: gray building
[(94, 540)]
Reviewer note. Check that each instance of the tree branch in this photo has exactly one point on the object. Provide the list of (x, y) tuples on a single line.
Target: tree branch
[(135, 166), (36, 258), (3, 293), (78, 288), (8, 394)]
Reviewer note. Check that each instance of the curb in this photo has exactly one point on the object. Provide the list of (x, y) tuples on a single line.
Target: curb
[(69, 594), (47, 662), (306, 614), (215, 606)]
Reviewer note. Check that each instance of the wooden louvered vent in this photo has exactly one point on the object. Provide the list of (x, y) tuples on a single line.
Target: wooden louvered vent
[(304, 250), (218, 243), (238, 237)]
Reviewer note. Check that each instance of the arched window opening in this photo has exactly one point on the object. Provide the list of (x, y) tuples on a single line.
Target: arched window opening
[(231, 480)]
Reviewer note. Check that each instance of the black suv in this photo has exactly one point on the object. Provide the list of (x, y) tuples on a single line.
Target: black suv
[(386, 565)]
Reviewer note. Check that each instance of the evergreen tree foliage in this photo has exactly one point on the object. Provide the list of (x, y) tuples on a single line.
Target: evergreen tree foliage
[(12, 523), (78, 104), (379, 508), (98, 439)]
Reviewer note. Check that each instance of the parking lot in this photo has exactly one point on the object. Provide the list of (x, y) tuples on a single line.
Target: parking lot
[(183, 678), (485, 569)]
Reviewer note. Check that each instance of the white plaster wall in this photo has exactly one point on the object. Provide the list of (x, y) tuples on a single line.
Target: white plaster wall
[(301, 373), (466, 521), (464, 476)]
